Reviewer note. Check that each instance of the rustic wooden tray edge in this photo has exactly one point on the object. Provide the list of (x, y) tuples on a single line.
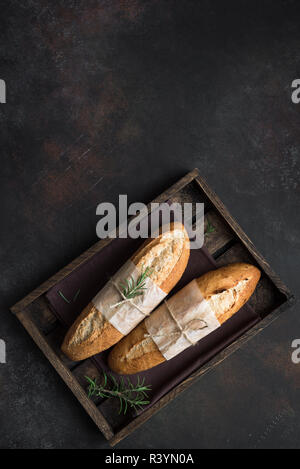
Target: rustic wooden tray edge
[(209, 366), (96, 247), (66, 374)]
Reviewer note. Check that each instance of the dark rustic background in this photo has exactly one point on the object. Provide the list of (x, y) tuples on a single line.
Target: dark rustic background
[(125, 96)]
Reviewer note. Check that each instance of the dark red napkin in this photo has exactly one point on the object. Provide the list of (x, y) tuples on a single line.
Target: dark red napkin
[(90, 277)]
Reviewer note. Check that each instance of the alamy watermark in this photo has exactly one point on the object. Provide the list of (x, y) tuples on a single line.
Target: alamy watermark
[(2, 92), (147, 223), (296, 353), (2, 351), (296, 93)]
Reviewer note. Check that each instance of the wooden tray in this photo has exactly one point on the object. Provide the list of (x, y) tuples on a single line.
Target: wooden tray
[(228, 243)]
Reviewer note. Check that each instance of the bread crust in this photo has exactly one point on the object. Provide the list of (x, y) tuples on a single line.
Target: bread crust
[(136, 353), (225, 278), (121, 359), (109, 334)]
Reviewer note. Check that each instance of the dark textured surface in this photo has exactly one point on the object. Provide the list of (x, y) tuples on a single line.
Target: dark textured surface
[(96, 90)]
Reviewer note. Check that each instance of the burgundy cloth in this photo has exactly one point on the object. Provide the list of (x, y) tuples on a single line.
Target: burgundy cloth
[(92, 276)]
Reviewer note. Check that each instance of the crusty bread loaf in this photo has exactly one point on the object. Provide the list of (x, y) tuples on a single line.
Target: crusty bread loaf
[(167, 257), (226, 289)]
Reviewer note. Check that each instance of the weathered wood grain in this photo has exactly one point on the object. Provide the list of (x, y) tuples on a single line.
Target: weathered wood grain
[(66, 375), (220, 237), (236, 253), (40, 313), (110, 409), (88, 369), (190, 194)]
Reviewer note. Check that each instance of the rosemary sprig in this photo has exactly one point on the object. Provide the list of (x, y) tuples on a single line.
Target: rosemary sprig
[(66, 299), (209, 228), (129, 394), (132, 288), (63, 296), (76, 295)]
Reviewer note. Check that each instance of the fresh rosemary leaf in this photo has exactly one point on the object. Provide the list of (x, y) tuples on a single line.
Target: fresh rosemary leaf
[(209, 228), (63, 297), (132, 288), (129, 394), (66, 299), (76, 295)]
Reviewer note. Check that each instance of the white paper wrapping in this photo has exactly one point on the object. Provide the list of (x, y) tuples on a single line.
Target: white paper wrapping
[(129, 314), (181, 321)]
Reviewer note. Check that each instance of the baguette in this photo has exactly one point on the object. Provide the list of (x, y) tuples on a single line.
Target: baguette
[(166, 256), (226, 290)]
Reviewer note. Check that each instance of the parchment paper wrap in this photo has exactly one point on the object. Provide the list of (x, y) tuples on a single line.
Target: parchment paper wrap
[(181, 321), (129, 314)]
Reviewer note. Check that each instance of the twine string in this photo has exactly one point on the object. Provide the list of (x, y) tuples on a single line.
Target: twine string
[(182, 330), (125, 300)]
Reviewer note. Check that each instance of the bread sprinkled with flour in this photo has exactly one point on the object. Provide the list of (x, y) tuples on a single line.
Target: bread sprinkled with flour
[(164, 258), (224, 291)]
